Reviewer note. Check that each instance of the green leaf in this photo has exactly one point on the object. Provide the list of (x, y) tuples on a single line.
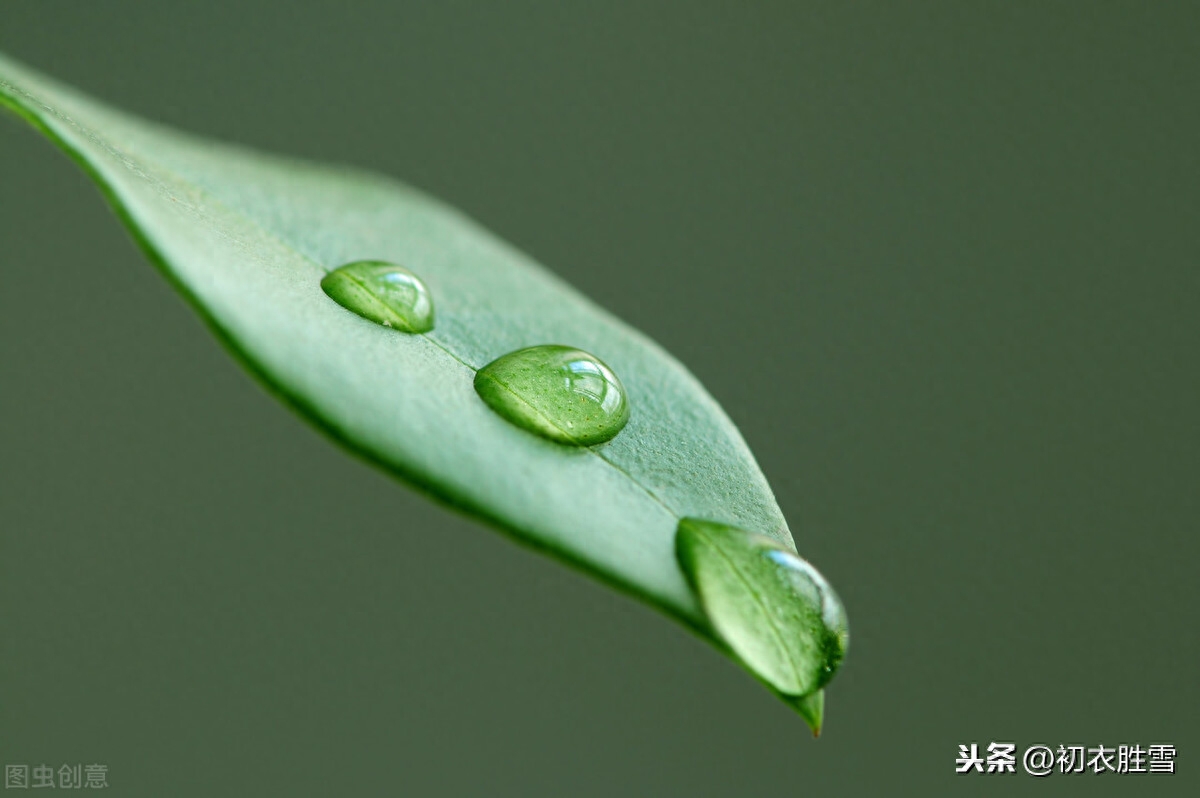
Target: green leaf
[(248, 237)]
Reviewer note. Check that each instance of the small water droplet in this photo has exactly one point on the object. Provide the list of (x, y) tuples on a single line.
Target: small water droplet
[(383, 292), (551, 389), (772, 607)]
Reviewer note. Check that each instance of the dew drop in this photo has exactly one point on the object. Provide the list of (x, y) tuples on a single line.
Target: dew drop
[(383, 292), (558, 392), (772, 607)]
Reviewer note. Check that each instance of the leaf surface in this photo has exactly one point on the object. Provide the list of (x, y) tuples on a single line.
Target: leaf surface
[(247, 237)]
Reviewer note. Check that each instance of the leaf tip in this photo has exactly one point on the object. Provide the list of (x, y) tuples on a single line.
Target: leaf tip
[(810, 707)]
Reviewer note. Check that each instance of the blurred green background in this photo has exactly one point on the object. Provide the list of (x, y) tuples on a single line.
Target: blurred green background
[(938, 262)]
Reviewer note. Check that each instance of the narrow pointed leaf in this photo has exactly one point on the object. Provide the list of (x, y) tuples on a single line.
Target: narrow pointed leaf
[(247, 238)]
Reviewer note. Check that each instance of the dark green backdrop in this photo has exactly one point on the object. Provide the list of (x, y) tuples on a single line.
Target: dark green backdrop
[(939, 262)]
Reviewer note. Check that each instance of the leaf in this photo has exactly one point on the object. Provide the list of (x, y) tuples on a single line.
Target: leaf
[(247, 239)]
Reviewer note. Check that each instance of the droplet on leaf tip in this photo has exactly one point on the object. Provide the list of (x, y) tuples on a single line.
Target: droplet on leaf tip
[(773, 608)]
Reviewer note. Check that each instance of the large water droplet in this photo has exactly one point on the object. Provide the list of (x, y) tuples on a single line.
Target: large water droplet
[(557, 392), (774, 609), (383, 292)]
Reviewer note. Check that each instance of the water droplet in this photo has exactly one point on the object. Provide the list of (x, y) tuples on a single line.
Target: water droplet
[(383, 292), (772, 607), (557, 392)]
